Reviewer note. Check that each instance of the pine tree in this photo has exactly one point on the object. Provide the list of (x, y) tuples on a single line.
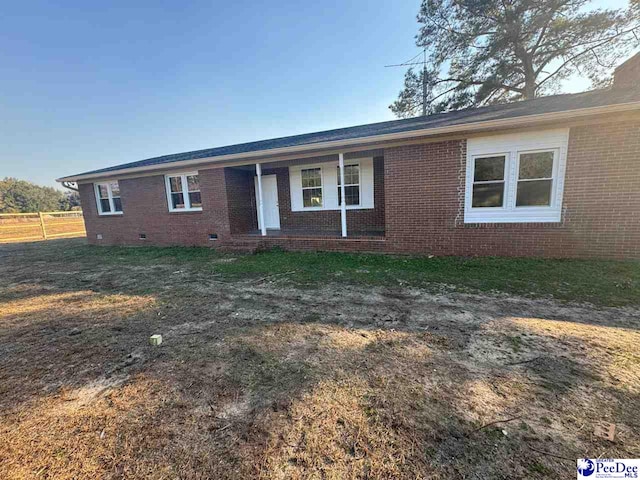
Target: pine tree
[(481, 52)]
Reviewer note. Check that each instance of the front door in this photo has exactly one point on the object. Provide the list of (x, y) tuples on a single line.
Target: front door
[(270, 199)]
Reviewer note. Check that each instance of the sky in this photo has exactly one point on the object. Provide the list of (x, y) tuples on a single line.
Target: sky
[(85, 85)]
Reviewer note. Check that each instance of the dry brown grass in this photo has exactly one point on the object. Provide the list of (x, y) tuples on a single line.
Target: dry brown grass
[(270, 381), (615, 350), (15, 229), (76, 305)]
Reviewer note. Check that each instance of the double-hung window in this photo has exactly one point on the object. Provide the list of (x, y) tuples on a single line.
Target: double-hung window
[(535, 178), (488, 181), (317, 186), (351, 185), (183, 192), (311, 187), (516, 177), (108, 198)]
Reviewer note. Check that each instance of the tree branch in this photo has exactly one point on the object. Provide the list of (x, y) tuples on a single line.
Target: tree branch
[(468, 82), (573, 46), (442, 94), (580, 54)]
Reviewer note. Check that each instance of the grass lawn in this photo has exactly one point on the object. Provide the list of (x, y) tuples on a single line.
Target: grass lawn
[(612, 283), (301, 365)]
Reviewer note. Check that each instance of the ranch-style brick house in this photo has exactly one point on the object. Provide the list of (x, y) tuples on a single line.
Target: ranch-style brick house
[(557, 176)]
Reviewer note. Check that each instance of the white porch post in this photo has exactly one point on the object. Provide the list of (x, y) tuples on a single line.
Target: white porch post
[(263, 227), (343, 203)]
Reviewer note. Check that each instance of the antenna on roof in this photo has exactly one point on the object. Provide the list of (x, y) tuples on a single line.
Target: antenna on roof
[(411, 62)]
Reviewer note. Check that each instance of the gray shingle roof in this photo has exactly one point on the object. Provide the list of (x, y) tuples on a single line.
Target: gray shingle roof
[(550, 104)]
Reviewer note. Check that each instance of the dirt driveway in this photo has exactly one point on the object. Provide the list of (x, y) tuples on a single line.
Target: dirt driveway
[(258, 378)]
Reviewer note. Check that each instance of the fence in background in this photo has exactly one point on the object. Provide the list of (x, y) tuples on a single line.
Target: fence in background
[(23, 227)]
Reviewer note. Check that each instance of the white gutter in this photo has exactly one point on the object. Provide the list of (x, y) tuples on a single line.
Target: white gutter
[(465, 127)]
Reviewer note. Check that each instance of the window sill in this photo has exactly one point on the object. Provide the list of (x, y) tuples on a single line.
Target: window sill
[(525, 216), (331, 209), (115, 214), (187, 210)]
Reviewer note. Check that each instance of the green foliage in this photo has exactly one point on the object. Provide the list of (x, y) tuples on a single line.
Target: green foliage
[(491, 51), (71, 201), (20, 196)]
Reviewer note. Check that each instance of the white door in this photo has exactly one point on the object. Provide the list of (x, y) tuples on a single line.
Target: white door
[(270, 199)]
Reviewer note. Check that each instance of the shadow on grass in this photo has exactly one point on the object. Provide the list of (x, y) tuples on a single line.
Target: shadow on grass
[(260, 379)]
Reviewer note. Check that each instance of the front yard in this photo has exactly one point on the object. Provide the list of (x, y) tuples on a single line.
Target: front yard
[(280, 365)]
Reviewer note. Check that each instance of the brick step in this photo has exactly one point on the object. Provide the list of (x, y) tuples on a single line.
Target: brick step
[(239, 245), (231, 248)]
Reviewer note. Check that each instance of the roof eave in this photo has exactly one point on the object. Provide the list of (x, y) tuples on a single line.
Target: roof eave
[(453, 129)]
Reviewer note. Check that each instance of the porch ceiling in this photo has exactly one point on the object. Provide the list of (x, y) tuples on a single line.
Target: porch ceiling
[(379, 152)]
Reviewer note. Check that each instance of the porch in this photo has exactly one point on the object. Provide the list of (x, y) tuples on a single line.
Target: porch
[(303, 199)]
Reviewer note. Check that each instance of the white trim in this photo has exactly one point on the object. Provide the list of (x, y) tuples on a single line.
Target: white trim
[(329, 171), (505, 177), (513, 145), (263, 227), (426, 132), (554, 173), (353, 164), (343, 200), (185, 191), (321, 187), (272, 222), (110, 197)]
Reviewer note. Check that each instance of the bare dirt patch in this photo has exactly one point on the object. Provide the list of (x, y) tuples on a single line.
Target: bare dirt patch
[(260, 379)]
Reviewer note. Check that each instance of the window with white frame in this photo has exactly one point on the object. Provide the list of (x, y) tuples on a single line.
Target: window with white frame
[(108, 198), (351, 185), (311, 187), (183, 192), (535, 178), (488, 181), (316, 186), (516, 177)]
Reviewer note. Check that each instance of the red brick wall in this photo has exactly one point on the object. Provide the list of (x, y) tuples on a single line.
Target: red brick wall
[(627, 75), (420, 197), (424, 186), (243, 216), (144, 202), (602, 190)]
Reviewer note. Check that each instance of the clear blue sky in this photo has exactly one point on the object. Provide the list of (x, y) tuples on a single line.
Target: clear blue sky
[(85, 84)]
